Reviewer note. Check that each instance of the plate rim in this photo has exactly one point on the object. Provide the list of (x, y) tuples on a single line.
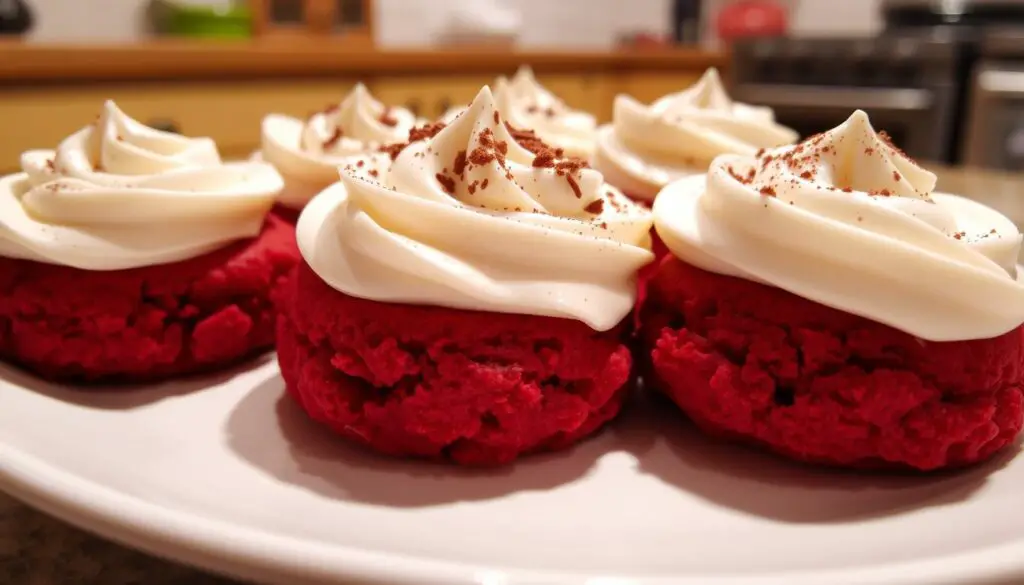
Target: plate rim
[(237, 550)]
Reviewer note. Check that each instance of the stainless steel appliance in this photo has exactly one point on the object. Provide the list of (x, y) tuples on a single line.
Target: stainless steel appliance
[(907, 85), (914, 79), (995, 137)]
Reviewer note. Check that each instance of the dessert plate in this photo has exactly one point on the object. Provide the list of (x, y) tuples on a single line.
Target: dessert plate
[(226, 473)]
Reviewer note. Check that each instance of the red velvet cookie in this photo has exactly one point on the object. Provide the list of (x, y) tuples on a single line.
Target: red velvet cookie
[(758, 364), (146, 323), (475, 388)]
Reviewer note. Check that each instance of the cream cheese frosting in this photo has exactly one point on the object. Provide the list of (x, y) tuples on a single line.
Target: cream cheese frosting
[(308, 153), (117, 194), (647, 147), (847, 220), (529, 105), (470, 219)]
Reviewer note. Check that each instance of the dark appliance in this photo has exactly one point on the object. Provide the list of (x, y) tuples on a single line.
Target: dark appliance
[(914, 78), (995, 123)]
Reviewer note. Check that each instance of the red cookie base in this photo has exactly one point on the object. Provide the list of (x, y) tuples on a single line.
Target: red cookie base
[(758, 364), (148, 323), (474, 388)]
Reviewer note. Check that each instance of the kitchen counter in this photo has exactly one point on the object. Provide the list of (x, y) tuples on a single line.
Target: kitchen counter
[(180, 59), (38, 550)]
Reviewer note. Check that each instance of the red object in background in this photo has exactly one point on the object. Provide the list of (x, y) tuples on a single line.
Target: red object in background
[(751, 18)]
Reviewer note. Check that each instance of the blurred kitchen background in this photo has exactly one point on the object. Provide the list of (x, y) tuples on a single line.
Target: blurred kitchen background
[(944, 78)]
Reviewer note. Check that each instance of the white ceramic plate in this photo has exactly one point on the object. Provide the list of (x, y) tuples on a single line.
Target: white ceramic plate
[(226, 474)]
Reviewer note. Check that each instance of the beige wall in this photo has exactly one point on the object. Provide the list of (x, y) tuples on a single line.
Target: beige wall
[(548, 23)]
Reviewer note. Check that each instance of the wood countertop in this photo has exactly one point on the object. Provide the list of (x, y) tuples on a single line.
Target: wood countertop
[(22, 62)]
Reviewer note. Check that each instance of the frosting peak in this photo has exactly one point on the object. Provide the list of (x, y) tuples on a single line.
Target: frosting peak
[(850, 157), (359, 123), (118, 194), (847, 220), (469, 218), (707, 94), (525, 103), (308, 152), (647, 147), (478, 149)]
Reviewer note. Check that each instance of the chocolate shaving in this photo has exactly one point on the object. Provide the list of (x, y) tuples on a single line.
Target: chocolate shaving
[(387, 119), (459, 167), (745, 180), (447, 183), (896, 176), (575, 186), (596, 207), (489, 149), (417, 134), (545, 159), (335, 137), (529, 140), (769, 191), (570, 166), (497, 117)]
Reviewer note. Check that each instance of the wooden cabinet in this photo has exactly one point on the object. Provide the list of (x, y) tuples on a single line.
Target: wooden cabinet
[(223, 90), (228, 112)]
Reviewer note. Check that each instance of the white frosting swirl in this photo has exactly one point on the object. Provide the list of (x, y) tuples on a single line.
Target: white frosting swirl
[(647, 147), (846, 220), (529, 105), (465, 220), (308, 153), (117, 194)]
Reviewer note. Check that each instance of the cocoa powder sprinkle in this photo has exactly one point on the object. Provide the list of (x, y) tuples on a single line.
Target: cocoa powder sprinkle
[(335, 137), (896, 176), (459, 167), (415, 135), (575, 186), (447, 183), (387, 119), (767, 190), (544, 159)]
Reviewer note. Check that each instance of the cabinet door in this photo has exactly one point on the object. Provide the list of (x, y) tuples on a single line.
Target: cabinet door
[(228, 112), (585, 92)]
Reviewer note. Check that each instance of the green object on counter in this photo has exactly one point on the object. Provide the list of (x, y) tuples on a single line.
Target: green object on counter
[(186, 20)]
